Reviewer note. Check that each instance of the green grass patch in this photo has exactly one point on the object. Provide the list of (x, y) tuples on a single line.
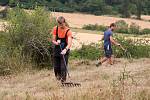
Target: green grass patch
[(122, 27), (93, 51)]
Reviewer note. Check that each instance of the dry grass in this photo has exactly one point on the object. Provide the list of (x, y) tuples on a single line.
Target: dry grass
[(101, 83)]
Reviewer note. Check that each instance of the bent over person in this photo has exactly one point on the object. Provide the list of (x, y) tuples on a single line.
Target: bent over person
[(62, 40)]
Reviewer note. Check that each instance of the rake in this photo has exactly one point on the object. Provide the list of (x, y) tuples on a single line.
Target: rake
[(126, 52), (68, 84)]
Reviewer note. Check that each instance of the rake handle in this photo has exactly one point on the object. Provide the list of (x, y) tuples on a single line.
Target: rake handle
[(122, 47), (64, 61)]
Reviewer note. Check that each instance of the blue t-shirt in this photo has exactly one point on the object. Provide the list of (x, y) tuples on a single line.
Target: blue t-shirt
[(107, 35)]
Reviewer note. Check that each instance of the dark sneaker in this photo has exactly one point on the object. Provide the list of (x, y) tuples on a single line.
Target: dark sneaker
[(63, 80), (98, 64), (58, 78)]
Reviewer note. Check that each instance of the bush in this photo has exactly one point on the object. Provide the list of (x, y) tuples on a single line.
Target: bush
[(145, 31), (134, 29), (90, 27), (135, 50), (11, 62), (95, 27), (30, 32), (110, 11), (122, 26), (91, 52), (3, 12), (27, 36), (102, 28)]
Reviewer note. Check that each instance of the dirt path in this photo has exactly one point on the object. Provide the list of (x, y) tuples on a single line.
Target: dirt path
[(85, 38), (42, 84), (146, 17), (78, 20)]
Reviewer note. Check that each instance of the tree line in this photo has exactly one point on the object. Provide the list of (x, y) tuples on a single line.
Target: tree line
[(124, 8)]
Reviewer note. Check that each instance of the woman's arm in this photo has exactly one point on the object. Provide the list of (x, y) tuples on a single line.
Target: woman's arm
[(54, 40), (69, 42)]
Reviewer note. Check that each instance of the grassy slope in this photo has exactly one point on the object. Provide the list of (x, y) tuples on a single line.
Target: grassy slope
[(97, 83)]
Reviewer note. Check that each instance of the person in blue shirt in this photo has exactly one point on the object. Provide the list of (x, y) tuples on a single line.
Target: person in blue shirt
[(108, 41)]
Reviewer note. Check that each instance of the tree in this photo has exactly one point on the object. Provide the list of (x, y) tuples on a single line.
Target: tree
[(4, 2), (139, 9), (125, 8), (139, 6), (109, 1), (94, 6)]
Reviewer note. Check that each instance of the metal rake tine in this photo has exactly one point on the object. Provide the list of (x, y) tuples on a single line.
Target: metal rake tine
[(67, 85), (62, 84), (78, 85), (75, 85), (71, 84)]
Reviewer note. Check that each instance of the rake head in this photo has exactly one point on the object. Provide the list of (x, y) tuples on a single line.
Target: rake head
[(127, 54), (71, 84)]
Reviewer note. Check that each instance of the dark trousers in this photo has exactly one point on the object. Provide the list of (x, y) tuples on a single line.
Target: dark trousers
[(60, 69)]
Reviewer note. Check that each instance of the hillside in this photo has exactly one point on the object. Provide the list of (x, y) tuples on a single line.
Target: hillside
[(127, 79)]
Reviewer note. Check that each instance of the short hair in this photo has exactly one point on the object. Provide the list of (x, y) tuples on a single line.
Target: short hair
[(61, 20), (112, 25)]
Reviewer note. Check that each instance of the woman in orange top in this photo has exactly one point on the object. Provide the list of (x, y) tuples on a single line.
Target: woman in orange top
[(62, 40)]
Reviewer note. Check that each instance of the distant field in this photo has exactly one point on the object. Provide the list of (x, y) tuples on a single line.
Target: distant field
[(146, 17), (78, 20)]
